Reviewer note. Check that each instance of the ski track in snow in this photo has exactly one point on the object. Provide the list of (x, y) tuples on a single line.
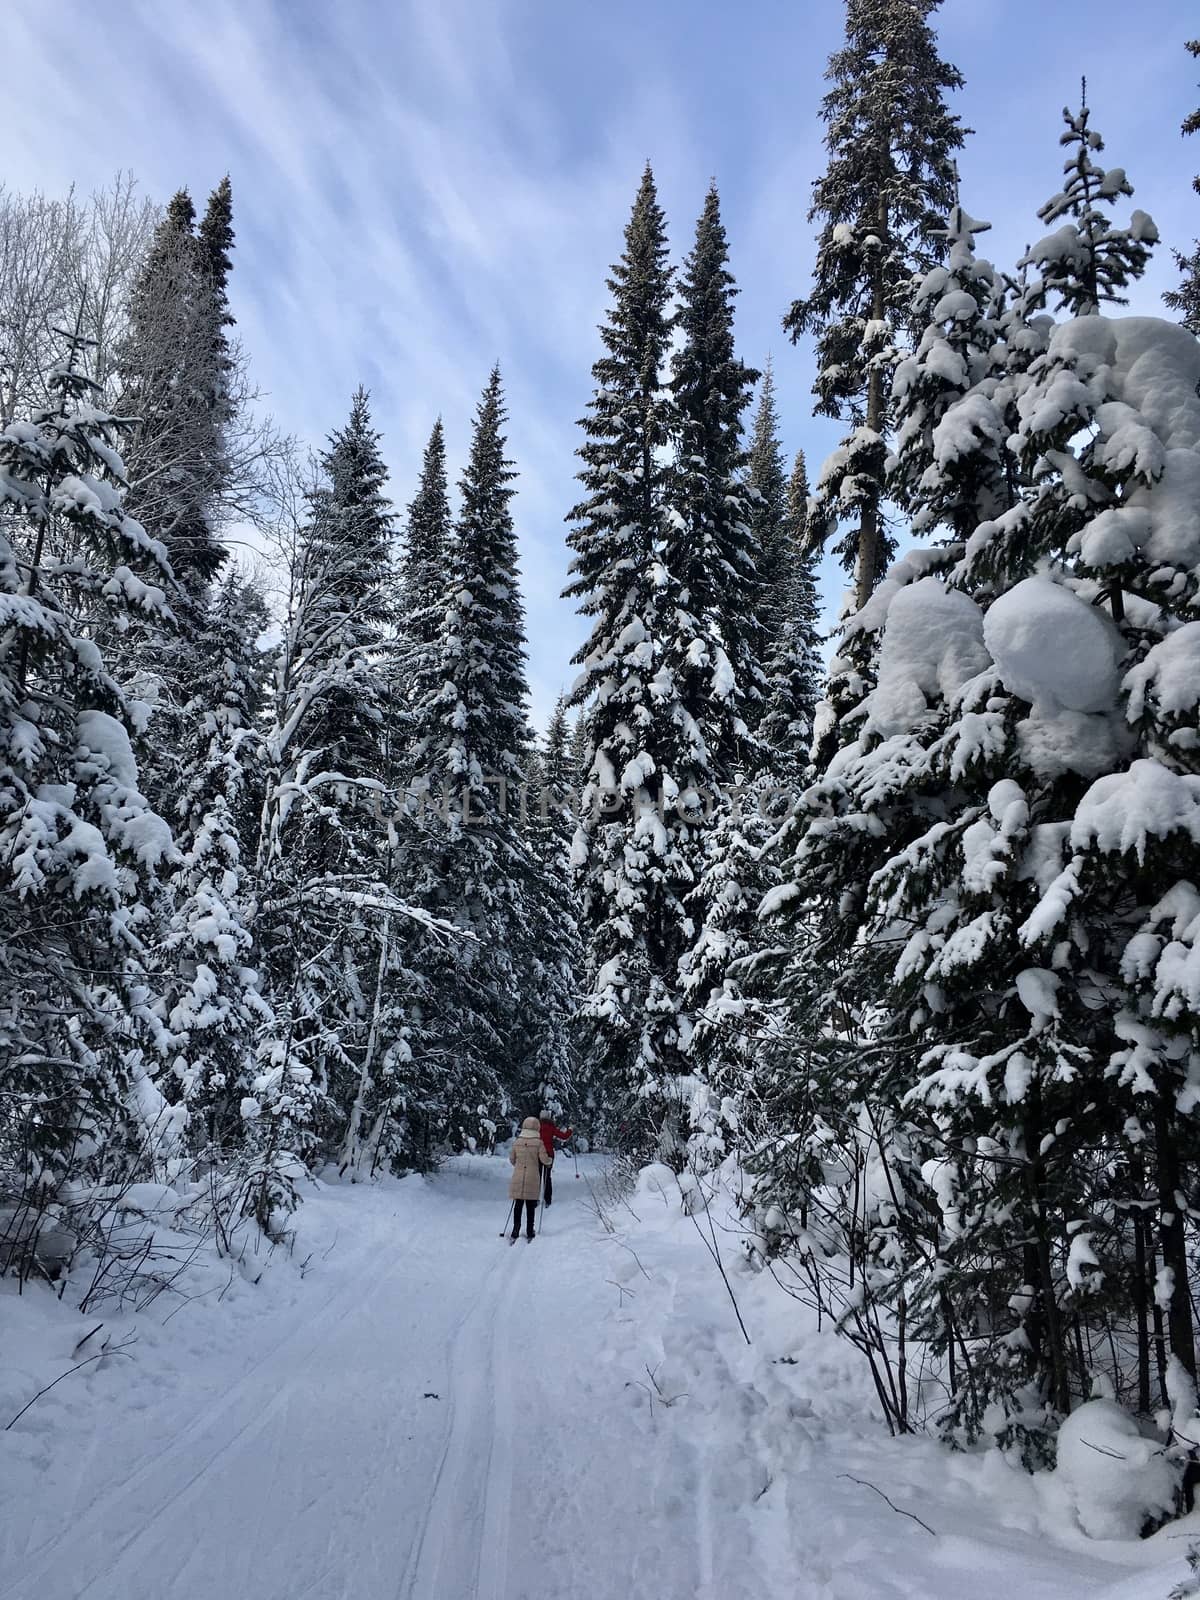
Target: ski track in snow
[(469, 1507), (432, 1415)]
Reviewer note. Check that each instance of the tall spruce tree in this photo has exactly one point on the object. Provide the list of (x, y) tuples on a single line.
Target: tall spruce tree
[(421, 612), (631, 872), (552, 953), (713, 645), (890, 178), (213, 994), (214, 242), (472, 741), (713, 551), (741, 1029), (323, 844), (351, 520), (85, 855), (795, 667), (173, 366), (1185, 300), (766, 475), (427, 540)]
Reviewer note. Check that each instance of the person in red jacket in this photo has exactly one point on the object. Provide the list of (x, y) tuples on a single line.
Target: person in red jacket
[(550, 1132)]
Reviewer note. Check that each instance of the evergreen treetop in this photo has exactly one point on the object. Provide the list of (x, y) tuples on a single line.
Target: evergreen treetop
[(1088, 261), (483, 639), (619, 522), (1186, 298), (214, 241), (427, 537), (890, 179), (766, 474), (713, 620)]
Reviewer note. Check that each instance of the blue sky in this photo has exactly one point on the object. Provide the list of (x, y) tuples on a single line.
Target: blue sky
[(422, 187)]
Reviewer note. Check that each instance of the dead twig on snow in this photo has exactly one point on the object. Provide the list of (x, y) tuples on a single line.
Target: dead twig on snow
[(899, 1510)]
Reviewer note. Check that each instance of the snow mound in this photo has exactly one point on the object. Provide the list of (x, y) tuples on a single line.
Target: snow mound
[(933, 642), (658, 1181), (1116, 1480), (1053, 649)]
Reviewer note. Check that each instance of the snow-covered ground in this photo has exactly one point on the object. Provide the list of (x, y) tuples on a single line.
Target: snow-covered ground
[(408, 1407)]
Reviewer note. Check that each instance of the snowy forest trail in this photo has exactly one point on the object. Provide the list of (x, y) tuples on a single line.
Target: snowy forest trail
[(429, 1414), (394, 1438)]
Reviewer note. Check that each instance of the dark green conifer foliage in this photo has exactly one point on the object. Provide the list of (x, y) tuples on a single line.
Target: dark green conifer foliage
[(1088, 261), (471, 745), (214, 242), (630, 882), (766, 474), (1186, 298), (175, 365), (716, 634), (889, 182), (351, 558), (795, 668), (427, 538)]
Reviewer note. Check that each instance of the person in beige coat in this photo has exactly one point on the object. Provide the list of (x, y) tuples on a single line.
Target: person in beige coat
[(528, 1157)]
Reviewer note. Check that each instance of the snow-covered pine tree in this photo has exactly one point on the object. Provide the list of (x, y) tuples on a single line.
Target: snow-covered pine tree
[(213, 999), (1007, 850), (84, 852), (401, 1116), (713, 647), (214, 241), (891, 143), (177, 374), (714, 643), (471, 742), (738, 1030), (1185, 300), (171, 367), (766, 476), (948, 467), (631, 874), (1087, 260), (579, 761), (423, 578), (417, 674), (352, 533), (552, 953), (322, 849), (557, 810), (794, 667)]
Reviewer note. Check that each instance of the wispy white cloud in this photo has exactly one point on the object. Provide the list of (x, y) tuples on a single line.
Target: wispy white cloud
[(426, 186)]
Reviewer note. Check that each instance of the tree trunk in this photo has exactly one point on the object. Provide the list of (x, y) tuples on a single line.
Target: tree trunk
[(1172, 1239), (1052, 1349), (1141, 1302), (1141, 1289), (870, 537), (352, 1151)]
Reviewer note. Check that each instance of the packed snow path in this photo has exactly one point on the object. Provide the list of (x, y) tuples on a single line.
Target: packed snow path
[(431, 1414)]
